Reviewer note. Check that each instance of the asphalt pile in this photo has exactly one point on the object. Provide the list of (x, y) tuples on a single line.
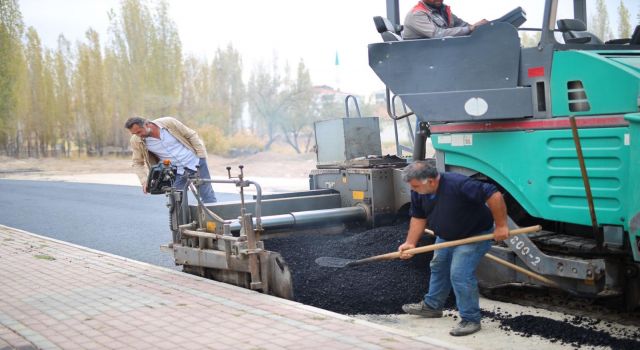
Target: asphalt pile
[(575, 331), (383, 287), (374, 288)]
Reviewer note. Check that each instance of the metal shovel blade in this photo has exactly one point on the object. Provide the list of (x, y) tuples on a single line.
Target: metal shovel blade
[(327, 261)]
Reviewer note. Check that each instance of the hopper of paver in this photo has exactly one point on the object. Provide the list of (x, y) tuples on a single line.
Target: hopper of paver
[(352, 185)]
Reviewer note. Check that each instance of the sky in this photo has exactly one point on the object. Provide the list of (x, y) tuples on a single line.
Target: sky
[(291, 30)]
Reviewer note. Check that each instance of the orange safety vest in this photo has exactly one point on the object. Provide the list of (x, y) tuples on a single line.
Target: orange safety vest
[(422, 7)]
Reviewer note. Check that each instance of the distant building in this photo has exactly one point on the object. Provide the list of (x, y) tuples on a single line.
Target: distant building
[(327, 94), (378, 97)]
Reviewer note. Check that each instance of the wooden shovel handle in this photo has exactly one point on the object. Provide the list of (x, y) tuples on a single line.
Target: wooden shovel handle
[(448, 244)]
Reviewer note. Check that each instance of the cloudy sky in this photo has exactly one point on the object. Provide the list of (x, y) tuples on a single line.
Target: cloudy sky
[(291, 29)]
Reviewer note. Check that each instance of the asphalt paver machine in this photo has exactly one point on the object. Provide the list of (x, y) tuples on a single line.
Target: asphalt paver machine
[(353, 184), (556, 127)]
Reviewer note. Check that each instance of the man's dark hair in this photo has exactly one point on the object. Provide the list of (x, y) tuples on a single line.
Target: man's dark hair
[(134, 121), (420, 170)]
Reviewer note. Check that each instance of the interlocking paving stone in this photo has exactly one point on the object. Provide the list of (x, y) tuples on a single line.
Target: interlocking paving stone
[(57, 295)]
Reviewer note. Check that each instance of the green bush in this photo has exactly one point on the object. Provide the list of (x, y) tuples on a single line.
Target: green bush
[(239, 144), (244, 143), (214, 139)]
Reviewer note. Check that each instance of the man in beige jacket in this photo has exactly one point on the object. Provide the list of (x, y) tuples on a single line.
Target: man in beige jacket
[(167, 138)]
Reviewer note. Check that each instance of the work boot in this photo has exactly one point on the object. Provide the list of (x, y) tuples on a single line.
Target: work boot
[(421, 309), (465, 328)]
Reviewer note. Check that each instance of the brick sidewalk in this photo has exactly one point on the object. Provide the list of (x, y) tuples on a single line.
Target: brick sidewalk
[(56, 295)]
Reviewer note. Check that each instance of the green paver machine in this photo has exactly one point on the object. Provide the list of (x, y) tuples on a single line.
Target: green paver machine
[(556, 127)]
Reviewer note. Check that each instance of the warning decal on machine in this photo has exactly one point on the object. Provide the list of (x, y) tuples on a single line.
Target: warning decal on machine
[(462, 140)]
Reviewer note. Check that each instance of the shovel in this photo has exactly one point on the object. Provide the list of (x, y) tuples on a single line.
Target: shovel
[(340, 262)]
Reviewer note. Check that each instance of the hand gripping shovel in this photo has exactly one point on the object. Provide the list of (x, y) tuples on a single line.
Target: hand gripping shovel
[(340, 262)]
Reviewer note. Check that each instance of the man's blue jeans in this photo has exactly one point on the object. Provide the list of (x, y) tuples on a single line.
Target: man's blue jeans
[(206, 191), (456, 267)]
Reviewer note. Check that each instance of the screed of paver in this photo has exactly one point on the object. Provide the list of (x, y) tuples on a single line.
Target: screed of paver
[(62, 296)]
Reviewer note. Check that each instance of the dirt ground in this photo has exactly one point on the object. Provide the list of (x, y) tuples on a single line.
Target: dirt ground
[(274, 171)]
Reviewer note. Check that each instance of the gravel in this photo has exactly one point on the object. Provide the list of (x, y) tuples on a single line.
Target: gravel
[(574, 331), (374, 288)]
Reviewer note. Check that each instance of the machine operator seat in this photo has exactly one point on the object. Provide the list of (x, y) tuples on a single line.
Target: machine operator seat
[(387, 30), (634, 40), (635, 37), (515, 17), (574, 31)]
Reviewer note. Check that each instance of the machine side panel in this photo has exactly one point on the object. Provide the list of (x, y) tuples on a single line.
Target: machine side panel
[(541, 171), (372, 188), (634, 186), (339, 140), (401, 190), (535, 71), (330, 149), (473, 105), (593, 83)]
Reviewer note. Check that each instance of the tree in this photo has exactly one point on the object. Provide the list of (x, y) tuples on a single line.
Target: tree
[(48, 128), (300, 111), (196, 90), (12, 76), (624, 22), (90, 93), (36, 109), (530, 40), (229, 92), (63, 106), (284, 106), (148, 51), (265, 100), (600, 22), (165, 68)]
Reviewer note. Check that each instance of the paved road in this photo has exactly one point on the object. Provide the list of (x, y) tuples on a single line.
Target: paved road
[(117, 219)]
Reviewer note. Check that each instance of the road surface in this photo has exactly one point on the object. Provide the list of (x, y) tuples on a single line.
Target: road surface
[(116, 219)]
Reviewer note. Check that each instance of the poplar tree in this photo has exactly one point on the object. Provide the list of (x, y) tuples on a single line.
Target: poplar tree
[(148, 50), (599, 24), (48, 129), (165, 68), (229, 92), (12, 76), (36, 97), (196, 95), (624, 22), (90, 93), (63, 94)]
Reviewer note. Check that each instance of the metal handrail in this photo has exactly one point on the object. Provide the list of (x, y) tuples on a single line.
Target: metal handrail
[(355, 101)]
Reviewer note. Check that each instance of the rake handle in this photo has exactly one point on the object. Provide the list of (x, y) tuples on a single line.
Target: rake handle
[(432, 247)]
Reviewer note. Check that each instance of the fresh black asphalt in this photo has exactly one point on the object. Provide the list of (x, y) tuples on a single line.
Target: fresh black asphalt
[(116, 219)]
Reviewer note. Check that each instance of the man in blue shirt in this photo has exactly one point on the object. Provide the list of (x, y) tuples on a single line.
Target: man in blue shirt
[(454, 206)]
